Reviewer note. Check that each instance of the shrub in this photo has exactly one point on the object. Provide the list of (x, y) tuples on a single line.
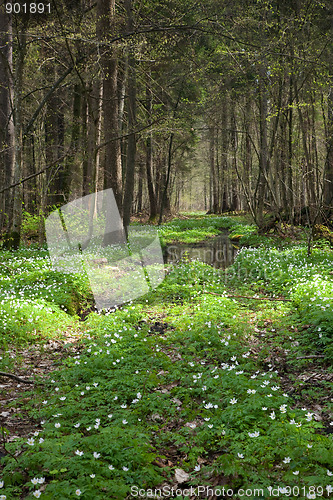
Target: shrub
[(30, 226)]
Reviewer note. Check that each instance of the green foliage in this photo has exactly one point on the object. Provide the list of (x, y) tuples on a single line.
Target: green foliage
[(314, 300), (23, 320), (323, 235), (279, 270), (105, 418), (242, 232), (173, 371), (34, 299), (307, 280), (187, 281)]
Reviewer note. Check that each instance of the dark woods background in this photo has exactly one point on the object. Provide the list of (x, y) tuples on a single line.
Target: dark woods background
[(213, 105)]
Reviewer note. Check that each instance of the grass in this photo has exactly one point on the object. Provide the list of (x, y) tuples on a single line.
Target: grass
[(192, 376)]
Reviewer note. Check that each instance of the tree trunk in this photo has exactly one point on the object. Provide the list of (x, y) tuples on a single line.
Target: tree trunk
[(141, 175), (14, 234), (224, 153), (308, 168), (214, 180), (248, 154), (149, 160), (165, 202), (263, 155), (328, 176), (54, 142), (73, 163), (109, 63), (289, 177), (281, 158), (93, 133), (7, 148)]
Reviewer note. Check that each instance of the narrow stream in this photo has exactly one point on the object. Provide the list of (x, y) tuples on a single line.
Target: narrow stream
[(218, 252)]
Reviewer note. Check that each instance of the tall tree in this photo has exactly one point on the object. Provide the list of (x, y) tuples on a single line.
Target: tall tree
[(106, 26), (131, 142), (15, 206), (7, 156)]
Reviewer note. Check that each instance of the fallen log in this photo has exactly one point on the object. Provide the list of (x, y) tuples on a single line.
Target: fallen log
[(246, 297)]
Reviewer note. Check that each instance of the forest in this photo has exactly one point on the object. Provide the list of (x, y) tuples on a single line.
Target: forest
[(166, 262), (217, 106)]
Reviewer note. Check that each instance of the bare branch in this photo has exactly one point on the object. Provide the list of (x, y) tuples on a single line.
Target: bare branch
[(32, 176), (15, 377)]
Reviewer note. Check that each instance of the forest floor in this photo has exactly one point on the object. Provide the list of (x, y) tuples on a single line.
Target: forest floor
[(215, 379)]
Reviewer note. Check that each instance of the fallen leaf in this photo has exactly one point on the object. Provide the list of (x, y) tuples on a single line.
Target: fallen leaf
[(181, 476)]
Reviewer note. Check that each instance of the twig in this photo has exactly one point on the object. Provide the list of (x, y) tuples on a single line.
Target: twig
[(7, 267), (309, 378), (311, 356), (246, 297), (4, 442), (10, 375), (33, 175)]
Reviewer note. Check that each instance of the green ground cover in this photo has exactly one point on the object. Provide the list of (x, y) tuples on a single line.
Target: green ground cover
[(194, 376), (193, 228)]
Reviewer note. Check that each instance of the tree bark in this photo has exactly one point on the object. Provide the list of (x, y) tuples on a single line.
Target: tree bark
[(93, 133), (149, 160), (14, 233), (109, 64), (141, 174), (308, 170), (7, 156), (73, 162), (213, 174), (328, 175), (289, 177), (54, 142), (165, 200), (263, 157)]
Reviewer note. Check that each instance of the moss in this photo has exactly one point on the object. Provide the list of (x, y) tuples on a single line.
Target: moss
[(11, 241)]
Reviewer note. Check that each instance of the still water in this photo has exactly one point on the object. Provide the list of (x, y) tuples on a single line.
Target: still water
[(219, 252)]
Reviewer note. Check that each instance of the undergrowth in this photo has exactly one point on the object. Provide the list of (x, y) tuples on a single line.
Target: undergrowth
[(170, 381)]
